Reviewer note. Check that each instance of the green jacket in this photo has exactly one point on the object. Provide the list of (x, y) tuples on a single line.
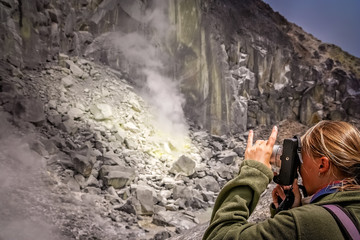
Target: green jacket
[(238, 199)]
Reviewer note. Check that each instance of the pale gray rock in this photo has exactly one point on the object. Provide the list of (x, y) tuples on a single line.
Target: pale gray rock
[(68, 81), (92, 181), (217, 146), (175, 219), (208, 183), (117, 176), (184, 165), (144, 195), (77, 71), (227, 157), (101, 111), (55, 119), (131, 143), (206, 154), (75, 113), (68, 126), (73, 185), (81, 180)]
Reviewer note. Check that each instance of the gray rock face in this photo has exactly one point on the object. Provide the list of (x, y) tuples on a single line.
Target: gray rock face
[(285, 73)]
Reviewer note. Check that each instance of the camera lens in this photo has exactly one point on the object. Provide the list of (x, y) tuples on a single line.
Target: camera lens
[(275, 156)]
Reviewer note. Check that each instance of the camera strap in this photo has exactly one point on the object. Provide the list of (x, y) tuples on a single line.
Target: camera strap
[(348, 225)]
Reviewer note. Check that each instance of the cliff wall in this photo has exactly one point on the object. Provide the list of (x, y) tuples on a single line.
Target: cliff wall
[(238, 63)]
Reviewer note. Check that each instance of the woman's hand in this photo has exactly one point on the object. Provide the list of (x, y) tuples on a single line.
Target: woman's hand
[(261, 150), (279, 192)]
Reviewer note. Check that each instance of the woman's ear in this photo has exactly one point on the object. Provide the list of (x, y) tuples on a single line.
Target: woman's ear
[(324, 165)]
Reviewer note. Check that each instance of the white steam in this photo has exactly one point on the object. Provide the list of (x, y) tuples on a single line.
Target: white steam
[(147, 51), (20, 188)]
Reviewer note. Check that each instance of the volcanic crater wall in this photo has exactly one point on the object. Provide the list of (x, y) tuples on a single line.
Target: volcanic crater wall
[(238, 63)]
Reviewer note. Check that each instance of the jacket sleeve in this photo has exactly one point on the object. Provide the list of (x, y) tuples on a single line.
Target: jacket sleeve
[(238, 199)]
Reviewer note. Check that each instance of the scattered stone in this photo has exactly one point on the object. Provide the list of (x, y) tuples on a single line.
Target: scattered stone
[(68, 81), (145, 197), (184, 165), (74, 68), (29, 109), (75, 113), (227, 157), (208, 183), (83, 164), (101, 111), (117, 176)]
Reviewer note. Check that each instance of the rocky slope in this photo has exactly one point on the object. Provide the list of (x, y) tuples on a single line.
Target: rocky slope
[(81, 158)]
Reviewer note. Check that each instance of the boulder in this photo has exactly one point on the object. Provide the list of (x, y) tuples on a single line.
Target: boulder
[(101, 111), (29, 109), (78, 72), (117, 176), (144, 195), (67, 81), (208, 183), (83, 164), (184, 165)]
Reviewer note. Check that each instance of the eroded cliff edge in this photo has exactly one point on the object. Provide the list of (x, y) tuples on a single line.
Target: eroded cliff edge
[(238, 63)]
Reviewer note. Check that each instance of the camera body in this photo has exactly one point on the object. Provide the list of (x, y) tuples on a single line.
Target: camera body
[(290, 160)]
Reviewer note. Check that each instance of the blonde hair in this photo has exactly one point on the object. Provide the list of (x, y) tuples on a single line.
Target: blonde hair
[(340, 143)]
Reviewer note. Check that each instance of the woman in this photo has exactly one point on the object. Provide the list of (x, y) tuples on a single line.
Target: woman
[(330, 172)]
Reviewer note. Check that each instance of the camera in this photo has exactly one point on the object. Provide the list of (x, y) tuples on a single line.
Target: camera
[(288, 158)]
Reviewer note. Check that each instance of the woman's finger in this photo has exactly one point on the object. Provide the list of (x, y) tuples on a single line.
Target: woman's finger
[(297, 195), (272, 138), (278, 192), (250, 139)]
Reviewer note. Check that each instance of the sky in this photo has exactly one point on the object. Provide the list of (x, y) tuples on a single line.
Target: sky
[(331, 21)]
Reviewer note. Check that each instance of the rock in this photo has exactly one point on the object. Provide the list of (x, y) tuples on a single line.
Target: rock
[(131, 127), (39, 147), (83, 164), (218, 146), (175, 219), (68, 81), (73, 185), (92, 181), (131, 143), (50, 146), (240, 150), (29, 109), (208, 183), (117, 176), (127, 207), (68, 126), (145, 196), (101, 111), (227, 157), (78, 72), (162, 235), (75, 113), (55, 120), (206, 154), (120, 135), (81, 180), (184, 165)]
